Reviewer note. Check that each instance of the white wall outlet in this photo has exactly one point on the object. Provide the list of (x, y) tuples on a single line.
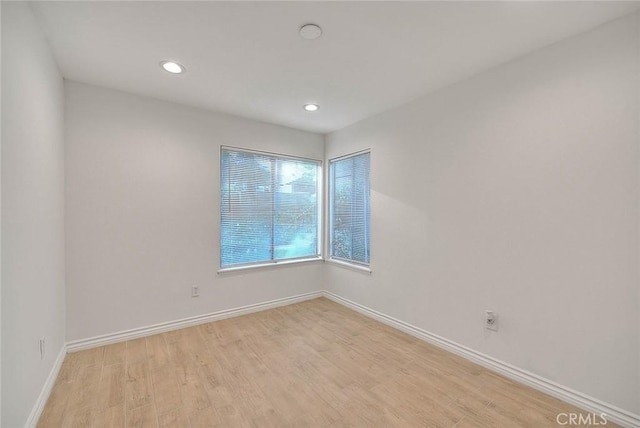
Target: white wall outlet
[(491, 321), (42, 347), (195, 291)]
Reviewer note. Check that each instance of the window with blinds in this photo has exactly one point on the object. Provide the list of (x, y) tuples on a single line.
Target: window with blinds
[(349, 209), (269, 208)]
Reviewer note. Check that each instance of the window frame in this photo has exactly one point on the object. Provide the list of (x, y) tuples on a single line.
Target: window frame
[(319, 212), (354, 264)]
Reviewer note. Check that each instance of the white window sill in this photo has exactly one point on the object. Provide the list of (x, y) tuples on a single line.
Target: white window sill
[(352, 266), (270, 264)]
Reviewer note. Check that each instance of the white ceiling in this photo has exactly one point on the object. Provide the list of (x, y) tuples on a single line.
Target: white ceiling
[(247, 59)]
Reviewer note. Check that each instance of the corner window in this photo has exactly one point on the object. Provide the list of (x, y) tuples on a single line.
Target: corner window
[(349, 210), (269, 208)]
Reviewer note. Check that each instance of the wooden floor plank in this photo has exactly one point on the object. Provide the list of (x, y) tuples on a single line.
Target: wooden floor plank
[(157, 351), (112, 386), (115, 353), (165, 388), (136, 350), (142, 417), (139, 386), (174, 418), (112, 417)]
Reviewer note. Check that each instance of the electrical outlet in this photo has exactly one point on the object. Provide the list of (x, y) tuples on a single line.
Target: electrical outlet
[(195, 291), (491, 321), (42, 347)]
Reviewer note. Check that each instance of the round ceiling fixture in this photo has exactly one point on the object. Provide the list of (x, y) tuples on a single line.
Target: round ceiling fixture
[(172, 67), (310, 31), (311, 107)]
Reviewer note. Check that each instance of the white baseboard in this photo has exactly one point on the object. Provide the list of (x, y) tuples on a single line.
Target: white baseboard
[(107, 339), (34, 416), (590, 404)]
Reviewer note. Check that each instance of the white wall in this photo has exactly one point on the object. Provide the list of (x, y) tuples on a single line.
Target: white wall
[(142, 213), (33, 282), (516, 191), (0, 224)]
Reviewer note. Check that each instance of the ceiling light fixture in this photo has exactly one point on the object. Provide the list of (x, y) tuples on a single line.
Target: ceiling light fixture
[(311, 107), (172, 67), (310, 31)]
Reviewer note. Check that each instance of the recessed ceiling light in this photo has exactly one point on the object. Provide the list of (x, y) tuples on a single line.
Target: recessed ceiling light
[(173, 67), (310, 31), (311, 107)]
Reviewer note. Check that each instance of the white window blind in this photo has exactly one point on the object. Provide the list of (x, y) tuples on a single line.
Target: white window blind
[(269, 208), (349, 208)]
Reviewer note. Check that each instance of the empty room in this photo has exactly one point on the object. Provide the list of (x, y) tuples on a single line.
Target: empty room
[(320, 214)]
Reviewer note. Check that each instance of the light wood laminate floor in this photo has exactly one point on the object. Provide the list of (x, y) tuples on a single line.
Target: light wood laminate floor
[(312, 364)]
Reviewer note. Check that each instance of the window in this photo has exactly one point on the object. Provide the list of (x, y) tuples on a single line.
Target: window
[(349, 210), (269, 208)]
